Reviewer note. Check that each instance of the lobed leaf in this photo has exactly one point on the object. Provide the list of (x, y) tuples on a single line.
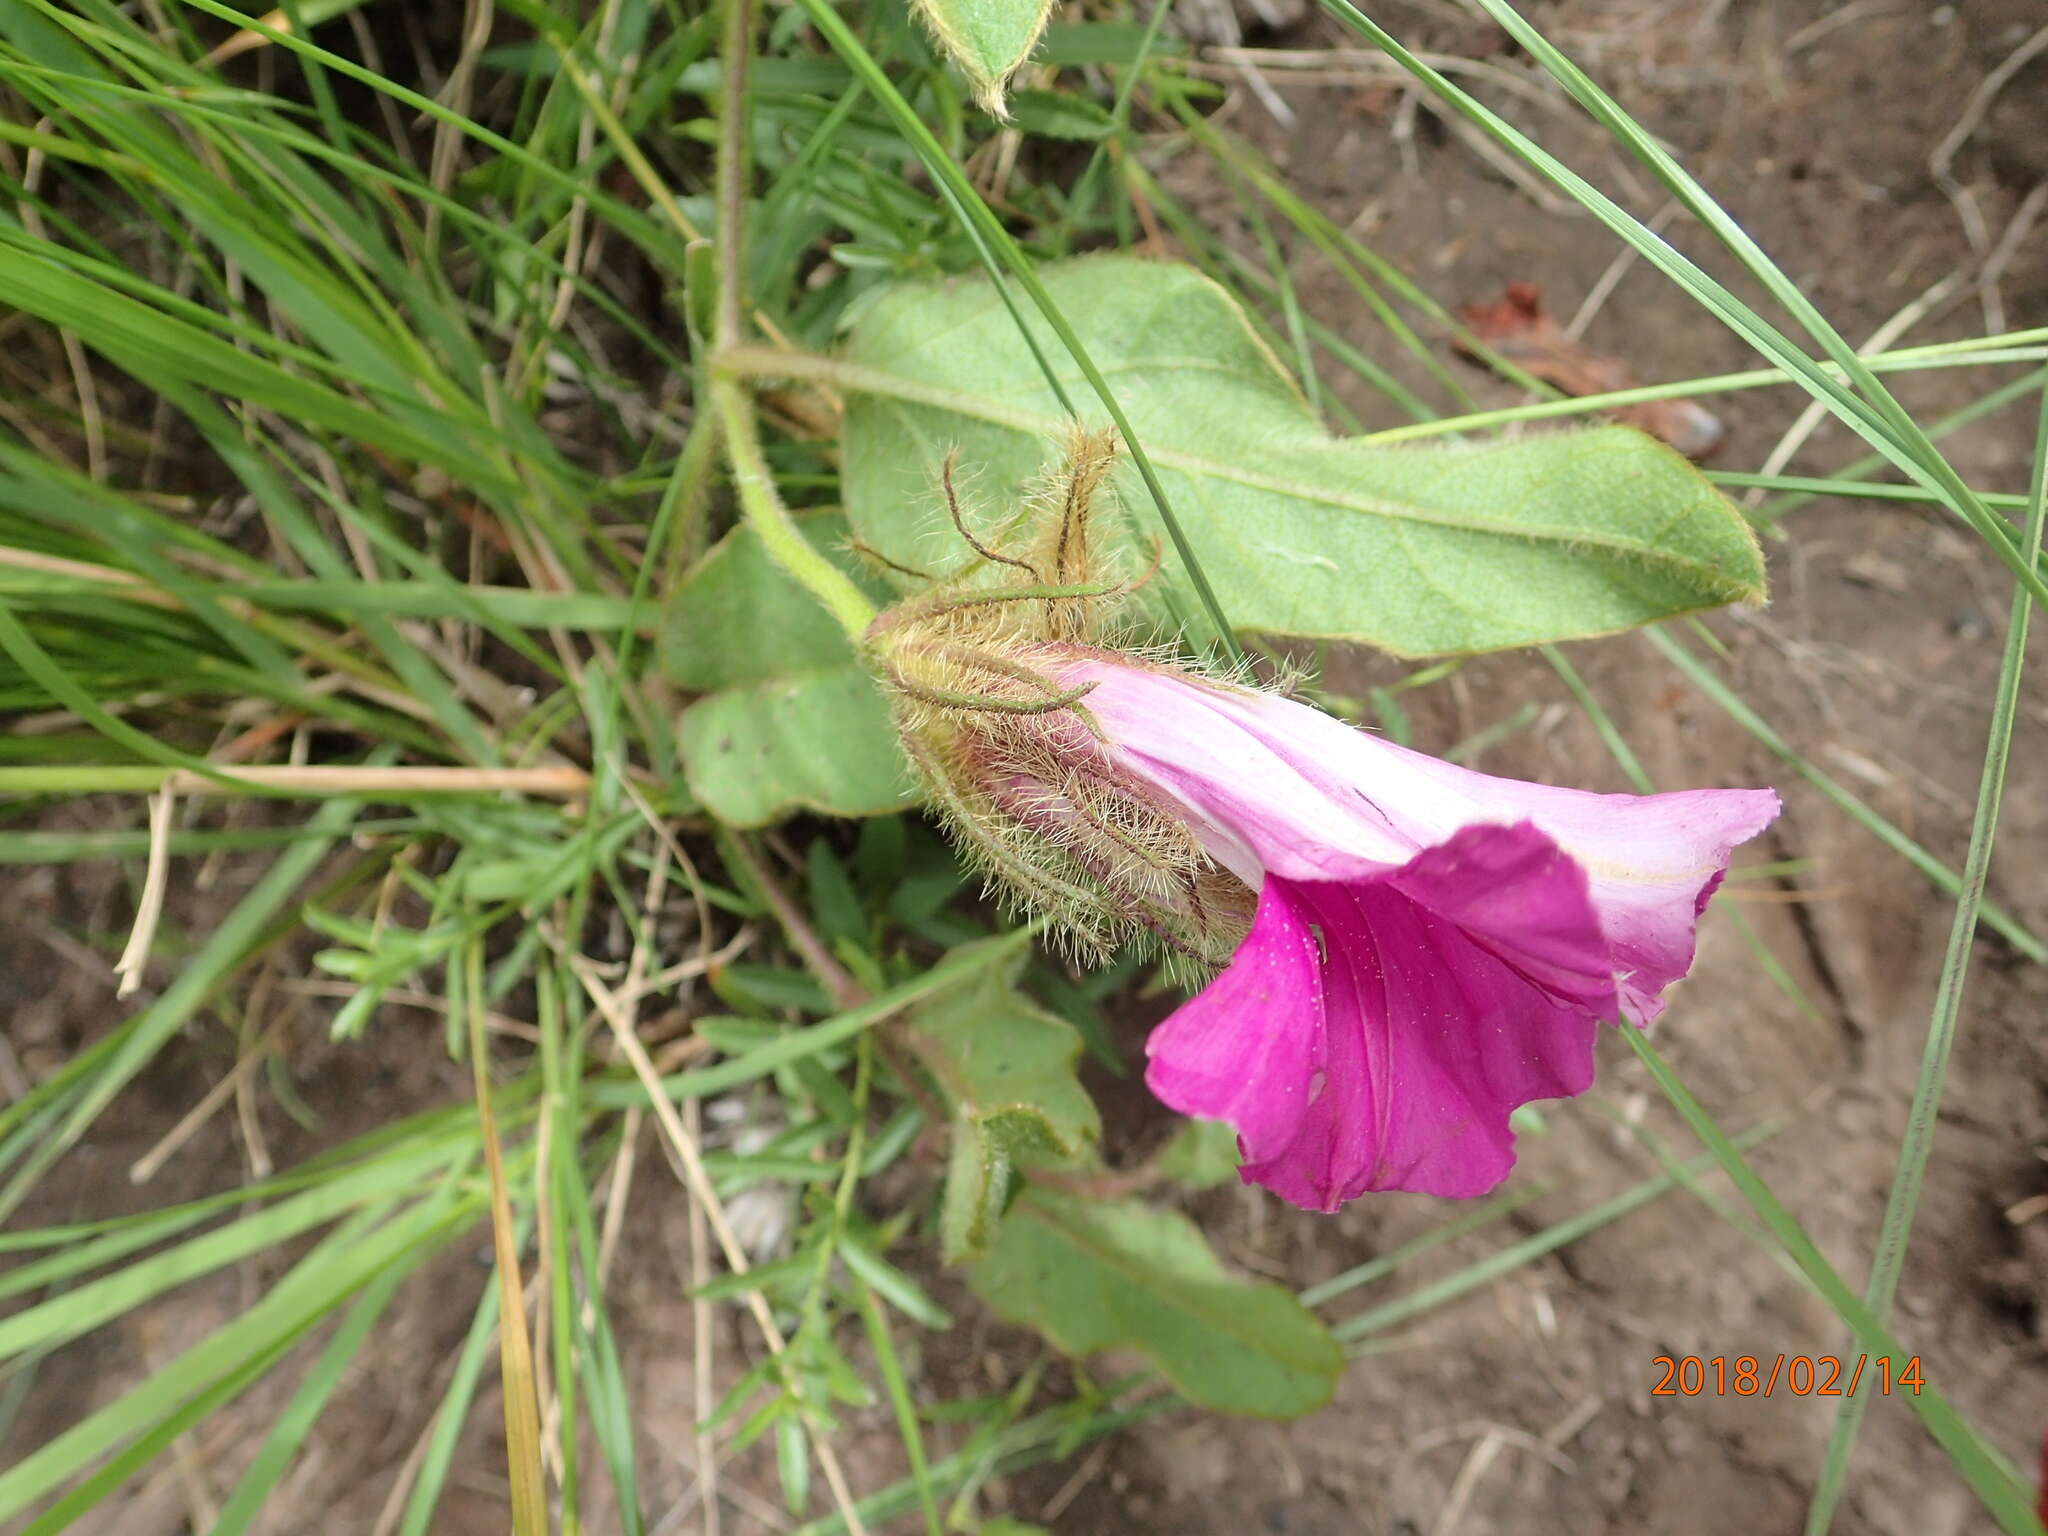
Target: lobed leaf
[(738, 617), (817, 741), (790, 720), (1007, 1067), (1118, 1274)]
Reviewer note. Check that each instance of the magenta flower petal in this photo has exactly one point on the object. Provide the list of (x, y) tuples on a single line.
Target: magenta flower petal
[(1432, 946), (1651, 861), (1454, 989), (1280, 787)]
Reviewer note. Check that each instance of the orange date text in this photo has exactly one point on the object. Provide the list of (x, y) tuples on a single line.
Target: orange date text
[(1792, 1375)]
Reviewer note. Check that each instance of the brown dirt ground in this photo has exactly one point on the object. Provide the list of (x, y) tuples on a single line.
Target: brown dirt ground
[(1524, 1408)]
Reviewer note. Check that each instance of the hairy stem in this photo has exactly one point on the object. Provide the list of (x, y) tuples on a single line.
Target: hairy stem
[(730, 403), (763, 507), (733, 150)]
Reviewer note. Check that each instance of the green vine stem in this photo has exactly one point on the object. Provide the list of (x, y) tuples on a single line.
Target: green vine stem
[(731, 404), (770, 518)]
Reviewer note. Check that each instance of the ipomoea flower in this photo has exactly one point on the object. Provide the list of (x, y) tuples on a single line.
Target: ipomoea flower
[(1408, 950), (1432, 946)]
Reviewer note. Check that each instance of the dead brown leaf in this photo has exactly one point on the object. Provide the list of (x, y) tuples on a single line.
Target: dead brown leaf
[(1518, 329)]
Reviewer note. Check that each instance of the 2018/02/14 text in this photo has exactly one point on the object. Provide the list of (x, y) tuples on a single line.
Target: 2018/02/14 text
[(1798, 1375)]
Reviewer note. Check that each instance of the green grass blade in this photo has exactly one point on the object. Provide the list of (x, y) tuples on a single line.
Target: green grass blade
[(1906, 360), (452, 1415), (1917, 1145), (1738, 241), (2008, 1500), (1482, 1214), (946, 171), (898, 1388), (224, 951), (288, 1434), (1905, 446), (1777, 507), (1427, 1298), (1943, 878), (85, 1307), (802, 1044), (325, 1278)]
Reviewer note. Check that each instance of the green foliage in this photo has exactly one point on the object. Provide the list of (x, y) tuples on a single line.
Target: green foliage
[(1007, 1070), (1200, 1155), (790, 721), (738, 617), (1414, 550), (324, 443), (1117, 1274), (988, 39), (804, 740), (1056, 115)]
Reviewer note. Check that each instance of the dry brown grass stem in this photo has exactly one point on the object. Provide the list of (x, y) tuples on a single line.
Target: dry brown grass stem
[(689, 1155)]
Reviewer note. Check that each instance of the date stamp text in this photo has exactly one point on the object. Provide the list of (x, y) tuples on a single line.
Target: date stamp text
[(1794, 1375)]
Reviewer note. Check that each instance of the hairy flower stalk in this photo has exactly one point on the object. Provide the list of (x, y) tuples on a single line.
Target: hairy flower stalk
[(1409, 950)]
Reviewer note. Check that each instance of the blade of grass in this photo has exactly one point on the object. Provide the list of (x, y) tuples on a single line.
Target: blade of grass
[(1739, 242), (1044, 1437), (1905, 445), (1997, 1487), (224, 951), (65, 1513), (288, 1434), (1483, 1214), (452, 1415), (1427, 1298), (630, 221), (800, 1044), (1915, 1147), (898, 1387), (1943, 878), (515, 1348), (1906, 360), (85, 1307), (335, 1270), (946, 171), (1808, 487)]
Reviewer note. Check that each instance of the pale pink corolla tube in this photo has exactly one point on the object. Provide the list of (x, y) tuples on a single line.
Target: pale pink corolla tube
[(1432, 947)]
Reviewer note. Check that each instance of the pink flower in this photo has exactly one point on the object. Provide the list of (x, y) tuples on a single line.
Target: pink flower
[(1432, 947)]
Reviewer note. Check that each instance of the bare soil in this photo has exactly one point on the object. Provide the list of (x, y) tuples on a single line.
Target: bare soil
[(1525, 1407)]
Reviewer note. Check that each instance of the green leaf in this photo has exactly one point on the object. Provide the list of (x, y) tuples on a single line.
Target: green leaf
[(1117, 1274), (1418, 550), (791, 721), (977, 1185), (988, 39), (818, 741), (1200, 1155), (997, 1055), (1007, 1067), (738, 617)]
